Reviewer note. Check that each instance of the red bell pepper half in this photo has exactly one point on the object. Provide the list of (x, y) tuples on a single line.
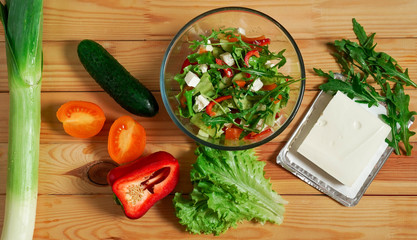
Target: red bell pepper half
[(138, 185)]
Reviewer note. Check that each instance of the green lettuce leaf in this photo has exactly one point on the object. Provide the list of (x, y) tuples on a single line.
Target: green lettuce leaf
[(229, 187)]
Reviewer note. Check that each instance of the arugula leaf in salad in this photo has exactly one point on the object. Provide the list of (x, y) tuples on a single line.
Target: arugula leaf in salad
[(236, 86), (229, 187), (362, 68)]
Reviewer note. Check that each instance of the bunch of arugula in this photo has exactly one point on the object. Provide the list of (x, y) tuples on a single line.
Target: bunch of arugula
[(362, 67), (229, 187)]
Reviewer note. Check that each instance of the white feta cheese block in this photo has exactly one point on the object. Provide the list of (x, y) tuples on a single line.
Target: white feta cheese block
[(227, 58), (191, 79), (344, 139), (203, 68), (257, 85), (200, 103)]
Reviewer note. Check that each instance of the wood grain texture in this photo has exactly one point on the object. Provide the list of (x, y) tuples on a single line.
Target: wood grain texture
[(306, 217), (63, 169), (305, 19), (63, 71), (137, 33), (159, 128)]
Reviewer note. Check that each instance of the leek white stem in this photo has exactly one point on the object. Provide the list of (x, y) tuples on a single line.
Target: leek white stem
[(22, 172), (22, 21)]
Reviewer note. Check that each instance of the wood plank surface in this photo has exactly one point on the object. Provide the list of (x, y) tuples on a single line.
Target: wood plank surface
[(64, 169), (75, 203), (64, 72), (306, 217), (159, 128), (138, 20)]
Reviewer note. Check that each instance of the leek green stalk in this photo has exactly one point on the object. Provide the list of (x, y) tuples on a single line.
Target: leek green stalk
[(22, 21)]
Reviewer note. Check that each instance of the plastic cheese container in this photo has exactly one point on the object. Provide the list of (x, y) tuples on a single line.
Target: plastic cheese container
[(338, 148)]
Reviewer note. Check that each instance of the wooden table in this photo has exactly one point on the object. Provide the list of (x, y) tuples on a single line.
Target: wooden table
[(137, 33)]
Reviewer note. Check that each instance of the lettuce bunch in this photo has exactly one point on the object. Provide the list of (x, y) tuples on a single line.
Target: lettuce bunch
[(229, 187)]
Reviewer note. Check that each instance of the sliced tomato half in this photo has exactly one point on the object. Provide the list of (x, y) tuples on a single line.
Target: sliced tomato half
[(81, 119), (127, 140)]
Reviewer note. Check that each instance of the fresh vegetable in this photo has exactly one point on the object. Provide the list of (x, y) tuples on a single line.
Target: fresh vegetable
[(228, 72), (138, 185), (235, 71), (362, 67), (216, 101), (126, 90), (127, 140), (81, 119), (250, 54), (232, 133), (22, 22), (229, 187), (260, 135)]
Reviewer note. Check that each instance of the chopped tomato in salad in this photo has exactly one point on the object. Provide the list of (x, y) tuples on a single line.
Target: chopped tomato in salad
[(231, 86)]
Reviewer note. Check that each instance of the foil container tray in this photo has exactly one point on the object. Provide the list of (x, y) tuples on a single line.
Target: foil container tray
[(307, 171)]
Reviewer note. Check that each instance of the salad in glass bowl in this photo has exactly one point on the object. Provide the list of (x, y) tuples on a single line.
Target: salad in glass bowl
[(231, 91), (231, 86)]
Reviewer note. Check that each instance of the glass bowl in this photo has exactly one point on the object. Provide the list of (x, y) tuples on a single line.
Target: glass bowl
[(255, 24)]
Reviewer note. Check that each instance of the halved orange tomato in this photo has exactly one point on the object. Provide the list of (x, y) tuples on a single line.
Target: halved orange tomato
[(81, 119), (127, 140)]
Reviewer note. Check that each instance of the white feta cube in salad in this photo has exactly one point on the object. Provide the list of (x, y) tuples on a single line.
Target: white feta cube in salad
[(241, 31), (269, 64), (203, 68), (260, 125), (206, 48), (200, 103), (227, 58), (191, 79), (256, 85)]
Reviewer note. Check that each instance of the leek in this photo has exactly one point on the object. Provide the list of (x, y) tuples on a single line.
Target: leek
[(22, 21)]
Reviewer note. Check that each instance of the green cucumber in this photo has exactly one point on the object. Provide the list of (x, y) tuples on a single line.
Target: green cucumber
[(125, 89)]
